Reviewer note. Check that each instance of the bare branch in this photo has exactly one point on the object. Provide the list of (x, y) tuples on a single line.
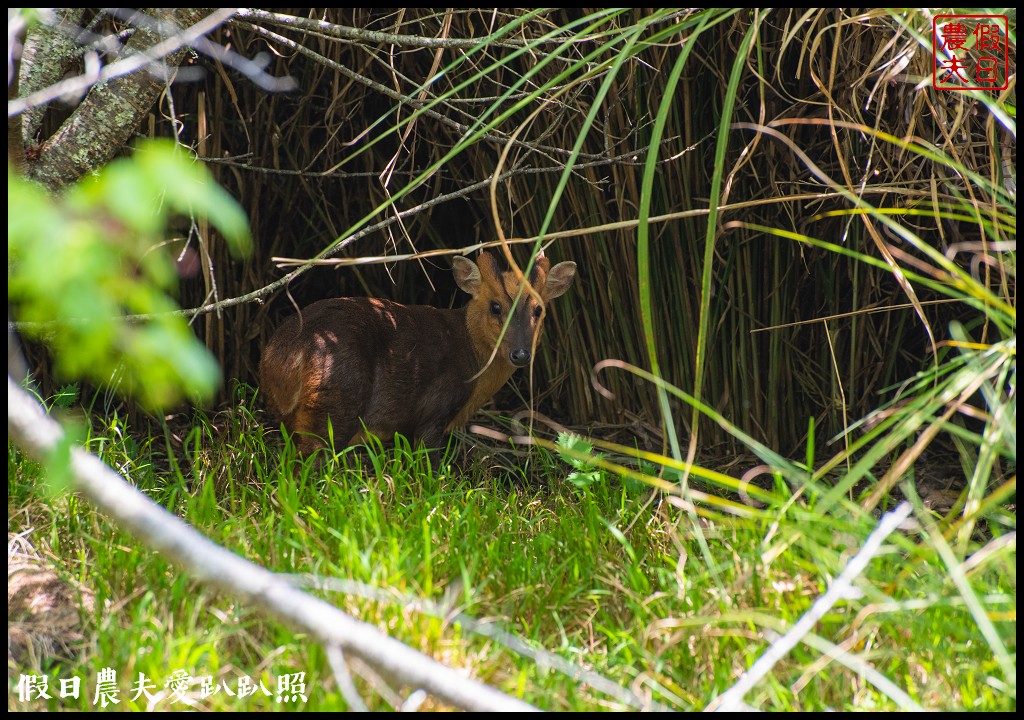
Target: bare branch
[(40, 435), (283, 281), (413, 702), (343, 32), (361, 35), (252, 69), (112, 110), (491, 631), (343, 677), (419, 105), (732, 699), (129, 65)]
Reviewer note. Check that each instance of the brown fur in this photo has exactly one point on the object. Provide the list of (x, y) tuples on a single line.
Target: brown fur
[(407, 369)]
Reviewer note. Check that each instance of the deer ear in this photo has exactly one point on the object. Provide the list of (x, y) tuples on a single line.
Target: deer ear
[(467, 274), (559, 279)]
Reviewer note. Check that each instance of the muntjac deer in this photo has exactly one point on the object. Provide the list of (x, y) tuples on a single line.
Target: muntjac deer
[(415, 370)]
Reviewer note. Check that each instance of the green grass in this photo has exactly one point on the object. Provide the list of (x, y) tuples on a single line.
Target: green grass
[(830, 286), (604, 576)]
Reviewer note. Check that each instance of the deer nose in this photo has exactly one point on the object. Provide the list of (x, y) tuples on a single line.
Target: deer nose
[(519, 357)]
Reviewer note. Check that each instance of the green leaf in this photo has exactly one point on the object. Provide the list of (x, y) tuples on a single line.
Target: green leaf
[(78, 264)]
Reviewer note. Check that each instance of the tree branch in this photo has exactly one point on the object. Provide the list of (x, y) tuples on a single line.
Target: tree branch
[(418, 105), (360, 35), (514, 643), (842, 587), (39, 70), (115, 105)]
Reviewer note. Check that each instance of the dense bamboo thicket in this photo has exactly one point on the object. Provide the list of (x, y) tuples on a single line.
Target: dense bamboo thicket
[(793, 331), (790, 245)]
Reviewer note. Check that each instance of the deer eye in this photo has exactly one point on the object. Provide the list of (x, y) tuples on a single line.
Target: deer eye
[(537, 312), (496, 308)]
